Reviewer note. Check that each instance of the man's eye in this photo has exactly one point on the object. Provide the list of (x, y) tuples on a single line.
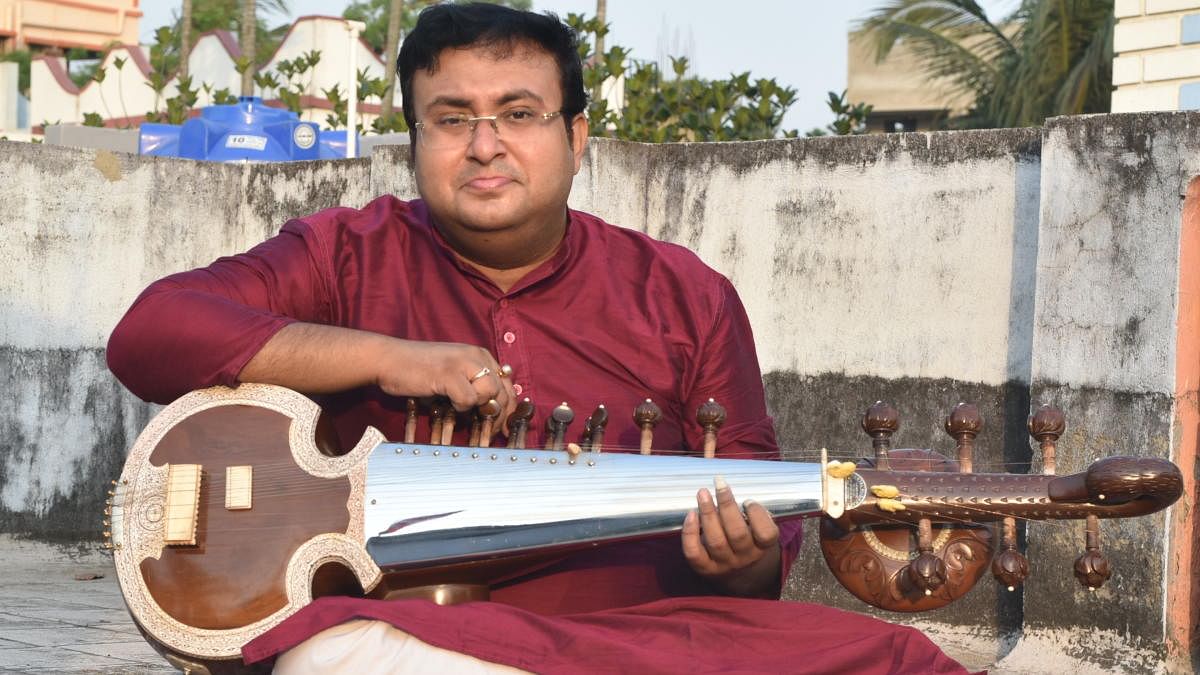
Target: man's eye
[(451, 121), (519, 115)]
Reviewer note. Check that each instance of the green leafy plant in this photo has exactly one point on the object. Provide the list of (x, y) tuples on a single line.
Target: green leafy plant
[(678, 107), (374, 13), (848, 118), (22, 58)]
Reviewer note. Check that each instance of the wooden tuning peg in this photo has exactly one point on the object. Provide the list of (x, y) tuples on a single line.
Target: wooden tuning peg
[(1046, 426), (1010, 566), (476, 427), (488, 412), (518, 423), (437, 411), (594, 428), (647, 416), (556, 426), (710, 416), (927, 572), (1091, 568), (449, 417), (410, 421), (963, 424), (880, 421)]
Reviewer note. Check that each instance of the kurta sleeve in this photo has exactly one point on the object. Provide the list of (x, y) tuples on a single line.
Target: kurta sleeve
[(729, 374), (198, 329)]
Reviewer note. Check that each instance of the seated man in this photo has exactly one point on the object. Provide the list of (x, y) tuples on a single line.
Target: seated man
[(429, 297)]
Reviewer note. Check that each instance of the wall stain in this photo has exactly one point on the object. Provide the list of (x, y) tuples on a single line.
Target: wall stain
[(108, 165)]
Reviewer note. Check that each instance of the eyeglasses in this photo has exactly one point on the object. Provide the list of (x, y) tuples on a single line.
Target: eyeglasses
[(455, 130)]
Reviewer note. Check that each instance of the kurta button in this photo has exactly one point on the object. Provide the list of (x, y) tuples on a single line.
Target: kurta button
[(517, 389), (504, 302), (510, 337)]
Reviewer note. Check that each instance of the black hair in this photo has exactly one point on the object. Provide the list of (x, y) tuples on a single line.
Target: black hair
[(481, 24)]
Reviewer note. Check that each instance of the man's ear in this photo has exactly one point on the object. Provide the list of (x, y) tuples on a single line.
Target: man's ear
[(579, 138)]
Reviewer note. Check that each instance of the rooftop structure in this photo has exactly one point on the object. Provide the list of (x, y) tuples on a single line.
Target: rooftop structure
[(88, 24)]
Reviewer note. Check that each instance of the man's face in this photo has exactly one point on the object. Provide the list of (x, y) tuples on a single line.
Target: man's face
[(488, 184)]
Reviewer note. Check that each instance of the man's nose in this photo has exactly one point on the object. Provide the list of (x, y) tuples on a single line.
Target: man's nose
[(485, 141)]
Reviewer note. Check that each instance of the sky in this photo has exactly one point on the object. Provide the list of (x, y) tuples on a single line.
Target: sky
[(800, 43)]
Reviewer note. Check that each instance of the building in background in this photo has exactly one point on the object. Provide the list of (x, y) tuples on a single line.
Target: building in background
[(1157, 55), (903, 99), (64, 24)]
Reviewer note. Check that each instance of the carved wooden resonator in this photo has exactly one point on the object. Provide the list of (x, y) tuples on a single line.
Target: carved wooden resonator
[(235, 509)]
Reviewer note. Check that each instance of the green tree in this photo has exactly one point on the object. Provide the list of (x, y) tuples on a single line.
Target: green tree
[(1050, 57), (227, 15), (849, 119), (374, 13), (660, 108)]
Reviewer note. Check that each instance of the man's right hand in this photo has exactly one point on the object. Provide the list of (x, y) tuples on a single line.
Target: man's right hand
[(314, 359), (468, 375)]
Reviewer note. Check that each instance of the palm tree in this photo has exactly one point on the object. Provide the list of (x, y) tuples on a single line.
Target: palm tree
[(185, 37), (1050, 57)]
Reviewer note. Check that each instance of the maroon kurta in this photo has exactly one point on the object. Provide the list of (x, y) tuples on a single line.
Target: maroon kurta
[(614, 317)]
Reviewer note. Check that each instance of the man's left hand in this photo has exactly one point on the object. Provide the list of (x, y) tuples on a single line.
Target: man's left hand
[(739, 553)]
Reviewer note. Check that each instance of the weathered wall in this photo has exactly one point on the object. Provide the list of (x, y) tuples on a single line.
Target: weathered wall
[(924, 269)]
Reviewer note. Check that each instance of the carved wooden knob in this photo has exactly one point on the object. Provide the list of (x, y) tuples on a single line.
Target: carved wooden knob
[(710, 416), (1010, 568), (1046, 426), (963, 424), (556, 425), (647, 416), (594, 428), (518, 423), (1048, 422), (1091, 568), (964, 420), (927, 572), (880, 422), (488, 412)]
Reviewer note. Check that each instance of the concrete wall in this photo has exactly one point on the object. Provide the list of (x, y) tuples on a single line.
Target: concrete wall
[(1157, 55), (1001, 267)]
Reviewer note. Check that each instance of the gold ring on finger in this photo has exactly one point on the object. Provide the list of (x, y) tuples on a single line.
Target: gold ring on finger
[(483, 372)]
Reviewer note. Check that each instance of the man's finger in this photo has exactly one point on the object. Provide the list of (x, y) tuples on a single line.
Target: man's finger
[(712, 533), (762, 526), (693, 549), (737, 533)]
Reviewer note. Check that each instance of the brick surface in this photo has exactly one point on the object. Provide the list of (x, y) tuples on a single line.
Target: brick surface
[(1161, 6), (1127, 70), (1145, 98), (1124, 8), (1133, 35), (1173, 65)]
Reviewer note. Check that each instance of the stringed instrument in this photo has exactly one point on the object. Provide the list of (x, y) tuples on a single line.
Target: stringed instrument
[(235, 509)]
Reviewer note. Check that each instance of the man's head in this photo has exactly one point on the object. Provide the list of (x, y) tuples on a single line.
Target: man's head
[(484, 87), (501, 29)]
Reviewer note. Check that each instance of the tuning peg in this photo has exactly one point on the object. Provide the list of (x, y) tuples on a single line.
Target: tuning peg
[(518, 423), (488, 412), (437, 410), (1010, 567), (449, 418), (594, 428), (927, 572), (1047, 426), (410, 421), (1091, 568), (880, 421), (963, 424), (647, 416), (710, 416), (556, 426)]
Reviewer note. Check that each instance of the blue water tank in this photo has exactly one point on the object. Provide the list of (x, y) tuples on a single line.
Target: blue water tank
[(245, 131)]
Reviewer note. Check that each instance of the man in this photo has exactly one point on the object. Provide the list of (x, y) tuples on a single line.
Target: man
[(489, 267)]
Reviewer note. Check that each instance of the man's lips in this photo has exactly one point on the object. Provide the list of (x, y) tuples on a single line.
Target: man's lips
[(488, 182)]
